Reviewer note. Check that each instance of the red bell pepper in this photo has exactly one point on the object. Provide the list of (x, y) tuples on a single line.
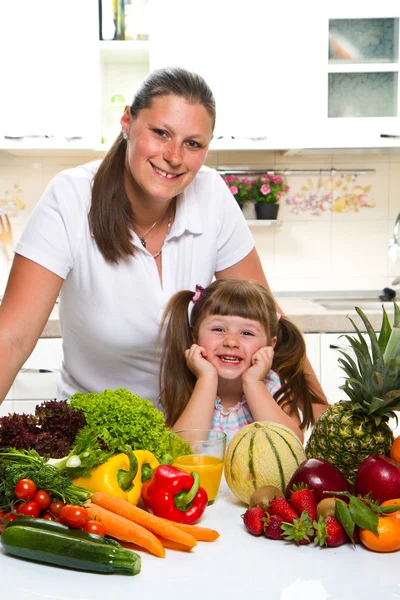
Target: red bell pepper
[(173, 494)]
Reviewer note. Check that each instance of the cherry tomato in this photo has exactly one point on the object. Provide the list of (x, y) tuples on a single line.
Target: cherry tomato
[(95, 527), (11, 517), (43, 498), (25, 489), (29, 509), (47, 516), (55, 507), (73, 516)]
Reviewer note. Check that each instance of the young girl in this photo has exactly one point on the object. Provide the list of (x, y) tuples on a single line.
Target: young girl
[(233, 361)]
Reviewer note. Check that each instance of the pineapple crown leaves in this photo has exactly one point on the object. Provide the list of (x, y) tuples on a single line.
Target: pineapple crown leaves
[(300, 529), (373, 383)]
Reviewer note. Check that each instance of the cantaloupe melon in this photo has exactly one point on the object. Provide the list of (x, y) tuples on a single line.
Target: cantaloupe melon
[(262, 453)]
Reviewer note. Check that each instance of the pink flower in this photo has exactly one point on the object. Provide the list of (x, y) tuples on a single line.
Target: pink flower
[(265, 178), (265, 189), (231, 178), (233, 189), (246, 180), (276, 179), (287, 188)]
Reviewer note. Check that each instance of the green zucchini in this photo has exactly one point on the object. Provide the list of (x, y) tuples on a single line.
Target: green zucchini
[(67, 550), (55, 526)]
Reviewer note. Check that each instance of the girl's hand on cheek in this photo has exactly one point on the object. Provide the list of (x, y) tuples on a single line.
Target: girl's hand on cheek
[(261, 365), (196, 360)]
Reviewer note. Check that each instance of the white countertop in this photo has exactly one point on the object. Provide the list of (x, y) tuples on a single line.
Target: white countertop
[(237, 566)]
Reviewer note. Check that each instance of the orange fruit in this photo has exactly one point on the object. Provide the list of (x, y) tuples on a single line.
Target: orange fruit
[(388, 538), (395, 502), (395, 449)]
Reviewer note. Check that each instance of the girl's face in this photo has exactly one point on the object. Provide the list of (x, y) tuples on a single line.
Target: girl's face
[(167, 144), (231, 342)]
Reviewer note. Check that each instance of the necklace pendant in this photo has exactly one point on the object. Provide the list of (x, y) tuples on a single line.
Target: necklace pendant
[(143, 241)]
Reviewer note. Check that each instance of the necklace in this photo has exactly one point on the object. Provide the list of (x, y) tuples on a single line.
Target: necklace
[(166, 235), (143, 236)]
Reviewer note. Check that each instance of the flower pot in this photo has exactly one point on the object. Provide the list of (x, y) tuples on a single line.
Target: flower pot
[(266, 211)]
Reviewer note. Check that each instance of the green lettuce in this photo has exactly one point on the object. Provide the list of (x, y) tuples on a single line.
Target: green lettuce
[(120, 417)]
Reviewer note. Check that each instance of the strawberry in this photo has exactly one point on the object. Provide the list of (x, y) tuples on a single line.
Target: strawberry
[(304, 499), (300, 531), (273, 527), (254, 519), (329, 532), (281, 507)]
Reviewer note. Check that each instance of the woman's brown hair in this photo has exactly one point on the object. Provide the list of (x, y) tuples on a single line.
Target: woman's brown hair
[(246, 299), (111, 217)]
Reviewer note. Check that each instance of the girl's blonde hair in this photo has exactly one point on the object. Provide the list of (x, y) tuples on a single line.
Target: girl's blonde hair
[(235, 297)]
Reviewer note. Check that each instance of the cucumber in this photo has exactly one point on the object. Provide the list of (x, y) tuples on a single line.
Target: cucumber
[(67, 550), (64, 529)]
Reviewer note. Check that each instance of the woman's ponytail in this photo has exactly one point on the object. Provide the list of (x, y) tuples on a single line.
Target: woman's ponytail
[(176, 380)]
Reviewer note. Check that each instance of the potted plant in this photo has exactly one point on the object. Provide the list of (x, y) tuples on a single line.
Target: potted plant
[(240, 187), (266, 191)]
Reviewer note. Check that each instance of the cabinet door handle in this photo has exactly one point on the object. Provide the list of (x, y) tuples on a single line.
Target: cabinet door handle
[(27, 370)]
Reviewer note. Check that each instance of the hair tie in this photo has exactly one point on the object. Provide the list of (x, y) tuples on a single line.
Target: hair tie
[(197, 294)]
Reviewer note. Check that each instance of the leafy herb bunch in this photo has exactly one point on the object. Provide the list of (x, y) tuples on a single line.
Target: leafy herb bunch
[(267, 188)]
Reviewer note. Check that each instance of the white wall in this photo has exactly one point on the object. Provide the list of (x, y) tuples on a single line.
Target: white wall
[(332, 251)]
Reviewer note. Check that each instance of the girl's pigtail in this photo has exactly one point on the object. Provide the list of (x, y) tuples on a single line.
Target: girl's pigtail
[(289, 359), (176, 380)]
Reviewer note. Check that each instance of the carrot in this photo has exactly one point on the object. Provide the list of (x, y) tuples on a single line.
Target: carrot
[(158, 526), (124, 530), (171, 545), (202, 534)]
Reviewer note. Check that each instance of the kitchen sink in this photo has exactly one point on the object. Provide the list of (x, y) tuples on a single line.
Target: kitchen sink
[(351, 303)]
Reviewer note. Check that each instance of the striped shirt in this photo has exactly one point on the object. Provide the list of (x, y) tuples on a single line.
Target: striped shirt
[(236, 417)]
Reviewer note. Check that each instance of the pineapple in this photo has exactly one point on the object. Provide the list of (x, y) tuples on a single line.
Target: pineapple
[(350, 430)]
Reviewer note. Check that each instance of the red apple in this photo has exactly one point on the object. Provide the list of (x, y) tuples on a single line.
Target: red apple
[(320, 476), (378, 476)]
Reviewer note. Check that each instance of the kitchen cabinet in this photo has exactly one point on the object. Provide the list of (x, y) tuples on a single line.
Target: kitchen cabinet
[(349, 69), (313, 347), (37, 379), (275, 85), (51, 77)]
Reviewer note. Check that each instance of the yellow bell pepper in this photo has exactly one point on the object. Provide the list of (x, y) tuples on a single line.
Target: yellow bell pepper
[(121, 475)]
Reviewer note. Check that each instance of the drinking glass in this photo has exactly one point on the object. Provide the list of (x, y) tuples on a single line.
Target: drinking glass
[(207, 460)]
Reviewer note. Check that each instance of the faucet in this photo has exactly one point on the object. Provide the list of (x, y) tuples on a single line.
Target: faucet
[(394, 244)]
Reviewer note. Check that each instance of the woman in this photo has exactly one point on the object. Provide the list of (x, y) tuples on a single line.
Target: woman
[(115, 239)]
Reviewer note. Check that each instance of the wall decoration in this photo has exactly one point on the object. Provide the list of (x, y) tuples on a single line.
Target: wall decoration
[(11, 203), (340, 193)]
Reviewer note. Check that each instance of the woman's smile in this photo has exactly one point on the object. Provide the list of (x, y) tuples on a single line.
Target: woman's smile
[(172, 137)]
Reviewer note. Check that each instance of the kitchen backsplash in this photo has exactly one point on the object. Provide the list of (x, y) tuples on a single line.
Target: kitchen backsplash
[(326, 240)]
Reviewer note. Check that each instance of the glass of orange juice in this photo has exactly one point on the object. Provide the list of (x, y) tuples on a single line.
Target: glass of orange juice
[(207, 459)]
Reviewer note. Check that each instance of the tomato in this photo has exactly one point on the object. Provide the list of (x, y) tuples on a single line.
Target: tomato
[(11, 517), (95, 527), (25, 489), (43, 498), (29, 509), (73, 516), (55, 507), (47, 516)]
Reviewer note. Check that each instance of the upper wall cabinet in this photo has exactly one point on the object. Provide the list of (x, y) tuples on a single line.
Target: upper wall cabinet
[(49, 71), (286, 78), (349, 95)]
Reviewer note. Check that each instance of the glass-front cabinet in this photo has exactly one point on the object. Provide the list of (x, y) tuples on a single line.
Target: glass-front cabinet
[(363, 74)]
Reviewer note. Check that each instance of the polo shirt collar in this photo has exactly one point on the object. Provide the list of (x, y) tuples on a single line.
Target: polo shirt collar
[(187, 216)]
